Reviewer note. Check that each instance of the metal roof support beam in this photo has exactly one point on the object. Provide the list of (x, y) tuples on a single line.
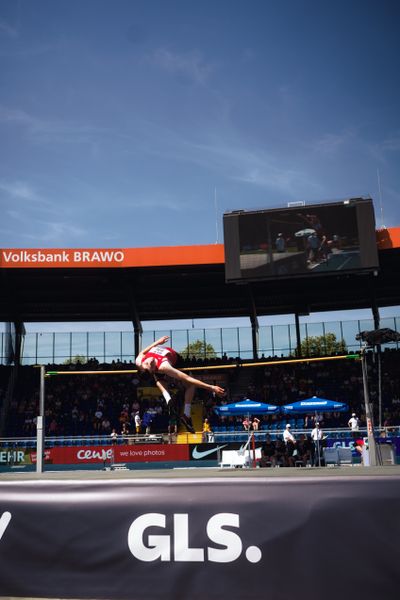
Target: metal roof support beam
[(376, 315), (137, 324), (15, 333), (255, 337), (298, 336)]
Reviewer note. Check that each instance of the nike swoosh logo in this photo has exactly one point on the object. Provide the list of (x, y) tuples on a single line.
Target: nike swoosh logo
[(196, 454), (4, 521)]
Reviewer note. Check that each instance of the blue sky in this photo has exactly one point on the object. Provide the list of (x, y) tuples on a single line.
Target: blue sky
[(135, 123)]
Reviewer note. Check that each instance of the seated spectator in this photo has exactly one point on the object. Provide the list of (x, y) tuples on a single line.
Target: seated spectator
[(304, 450), (146, 421), (269, 454), (125, 429), (105, 426), (246, 424), (172, 428), (207, 433), (280, 454)]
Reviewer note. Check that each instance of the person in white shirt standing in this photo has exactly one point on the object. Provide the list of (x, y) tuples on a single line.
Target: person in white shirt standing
[(290, 443), (317, 437), (354, 423), (138, 422), (288, 435)]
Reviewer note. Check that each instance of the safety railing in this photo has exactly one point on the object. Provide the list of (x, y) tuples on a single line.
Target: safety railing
[(13, 443)]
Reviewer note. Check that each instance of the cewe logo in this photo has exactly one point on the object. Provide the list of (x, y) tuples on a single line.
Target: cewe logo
[(174, 546), (88, 454)]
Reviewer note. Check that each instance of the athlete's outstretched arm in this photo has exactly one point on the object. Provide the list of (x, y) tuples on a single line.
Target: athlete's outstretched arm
[(141, 354), (162, 340)]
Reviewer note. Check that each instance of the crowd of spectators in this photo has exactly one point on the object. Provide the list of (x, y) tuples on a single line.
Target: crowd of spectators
[(95, 405)]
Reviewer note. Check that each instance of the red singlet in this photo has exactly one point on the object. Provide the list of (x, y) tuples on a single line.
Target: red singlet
[(161, 355)]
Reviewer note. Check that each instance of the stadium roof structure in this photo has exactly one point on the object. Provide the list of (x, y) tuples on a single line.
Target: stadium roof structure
[(141, 284)]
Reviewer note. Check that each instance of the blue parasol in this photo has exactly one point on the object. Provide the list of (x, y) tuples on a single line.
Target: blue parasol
[(314, 404), (246, 407)]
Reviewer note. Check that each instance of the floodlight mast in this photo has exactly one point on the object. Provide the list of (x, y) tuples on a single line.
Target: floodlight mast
[(372, 339), (40, 424), (368, 411)]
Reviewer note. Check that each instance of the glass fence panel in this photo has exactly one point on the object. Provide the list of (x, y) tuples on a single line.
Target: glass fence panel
[(281, 340), (179, 340), (95, 346), (45, 348), (29, 351), (128, 346), (315, 341), (79, 346), (148, 337), (265, 340), (62, 348), (292, 339), (314, 329), (245, 343), (367, 325), (213, 341), (389, 323), (197, 345), (335, 328), (350, 330), (161, 333), (230, 341), (113, 350)]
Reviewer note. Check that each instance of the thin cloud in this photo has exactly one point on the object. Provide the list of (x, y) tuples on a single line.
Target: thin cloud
[(282, 179), (154, 201), (12, 115), (391, 144), (52, 232), (380, 150), (330, 143), (28, 227), (51, 130), (6, 28), (23, 195), (226, 155), (253, 166), (190, 66), (19, 190)]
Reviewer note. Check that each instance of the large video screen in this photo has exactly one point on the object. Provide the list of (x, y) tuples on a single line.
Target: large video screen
[(338, 237)]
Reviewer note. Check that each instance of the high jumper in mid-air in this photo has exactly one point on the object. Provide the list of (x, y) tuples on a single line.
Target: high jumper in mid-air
[(156, 359)]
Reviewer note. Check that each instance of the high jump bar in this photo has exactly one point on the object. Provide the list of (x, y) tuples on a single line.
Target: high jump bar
[(231, 366)]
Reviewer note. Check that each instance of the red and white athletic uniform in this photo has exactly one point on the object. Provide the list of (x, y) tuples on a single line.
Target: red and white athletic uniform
[(161, 354)]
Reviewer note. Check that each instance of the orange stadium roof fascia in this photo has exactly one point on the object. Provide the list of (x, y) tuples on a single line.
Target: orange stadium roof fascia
[(25, 258), (163, 256), (388, 238)]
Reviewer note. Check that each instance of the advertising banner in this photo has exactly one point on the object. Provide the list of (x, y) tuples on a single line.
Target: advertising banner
[(36, 258), (140, 453), (171, 539), (349, 443), (212, 451), (75, 455)]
